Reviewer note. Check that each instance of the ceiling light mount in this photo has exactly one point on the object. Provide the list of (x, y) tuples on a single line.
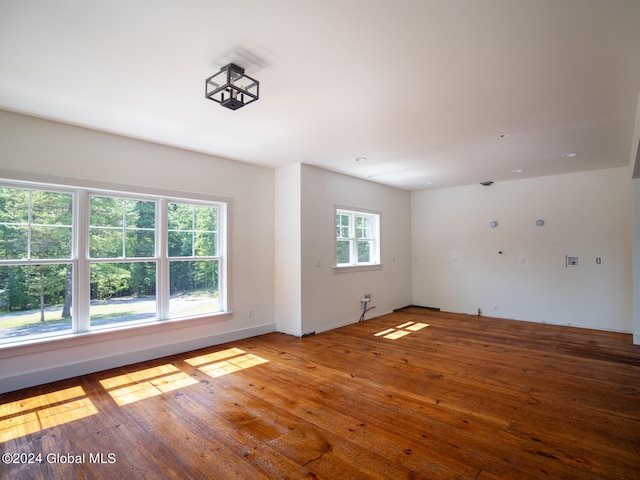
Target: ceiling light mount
[(231, 88)]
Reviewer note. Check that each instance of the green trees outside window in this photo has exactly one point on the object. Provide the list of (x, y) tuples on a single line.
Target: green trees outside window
[(116, 265), (194, 265), (357, 238), (122, 230), (36, 246)]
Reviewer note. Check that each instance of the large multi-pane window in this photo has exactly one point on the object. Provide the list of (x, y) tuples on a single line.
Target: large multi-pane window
[(74, 260), (357, 238)]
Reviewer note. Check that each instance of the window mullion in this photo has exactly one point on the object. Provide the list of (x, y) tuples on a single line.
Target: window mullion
[(353, 233), (222, 254), (162, 252), (82, 280), (193, 231), (29, 205), (124, 229)]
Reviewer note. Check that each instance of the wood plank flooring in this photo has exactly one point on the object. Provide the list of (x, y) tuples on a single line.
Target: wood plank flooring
[(416, 394)]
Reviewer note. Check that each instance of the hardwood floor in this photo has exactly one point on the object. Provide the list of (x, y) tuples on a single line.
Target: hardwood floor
[(415, 394)]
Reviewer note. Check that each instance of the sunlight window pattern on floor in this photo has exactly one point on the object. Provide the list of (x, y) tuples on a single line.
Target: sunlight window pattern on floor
[(40, 412), (224, 362), (401, 330), (134, 386)]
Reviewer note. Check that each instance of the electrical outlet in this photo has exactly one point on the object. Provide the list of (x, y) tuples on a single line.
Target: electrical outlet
[(572, 261)]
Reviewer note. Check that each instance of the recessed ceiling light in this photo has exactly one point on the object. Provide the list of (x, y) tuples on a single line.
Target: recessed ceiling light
[(427, 182), (517, 170), (569, 155), (360, 159)]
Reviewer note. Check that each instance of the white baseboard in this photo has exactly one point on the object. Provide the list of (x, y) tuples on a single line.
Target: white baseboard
[(85, 366)]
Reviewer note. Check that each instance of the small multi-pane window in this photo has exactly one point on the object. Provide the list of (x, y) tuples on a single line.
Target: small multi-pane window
[(74, 260), (194, 264), (121, 228), (35, 224), (357, 238), (193, 230)]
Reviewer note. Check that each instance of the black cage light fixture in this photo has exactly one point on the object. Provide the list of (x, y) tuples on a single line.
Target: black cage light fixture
[(231, 88)]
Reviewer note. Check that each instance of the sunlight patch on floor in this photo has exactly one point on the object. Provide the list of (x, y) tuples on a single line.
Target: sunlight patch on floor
[(417, 326), (384, 332), (224, 362), (30, 415), (401, 330), (212, 357), (141, 384), (396, 334)]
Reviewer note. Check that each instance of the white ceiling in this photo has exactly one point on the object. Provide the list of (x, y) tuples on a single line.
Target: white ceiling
[(423, 89)]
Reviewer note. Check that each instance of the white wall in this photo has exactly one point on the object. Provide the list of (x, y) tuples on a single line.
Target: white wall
[(329, 299), (288, 275), (635, 168), (636, 261), (31, 148), (457, 266)]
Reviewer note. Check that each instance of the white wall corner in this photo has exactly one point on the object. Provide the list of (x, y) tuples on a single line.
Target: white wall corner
[(635, 144), (636, 261), (287, 254)]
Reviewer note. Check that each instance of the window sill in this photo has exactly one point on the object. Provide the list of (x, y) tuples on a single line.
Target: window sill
[(25, 347), (357, 268)]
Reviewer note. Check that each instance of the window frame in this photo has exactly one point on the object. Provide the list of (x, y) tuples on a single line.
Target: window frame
[(81, 260), (218, 257), (375, 240)]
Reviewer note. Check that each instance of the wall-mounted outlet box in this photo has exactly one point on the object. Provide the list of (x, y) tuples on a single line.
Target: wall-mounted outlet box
[(573, 261)]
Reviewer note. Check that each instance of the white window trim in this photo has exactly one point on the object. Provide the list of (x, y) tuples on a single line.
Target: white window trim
[(363, 267), (81, 191)]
